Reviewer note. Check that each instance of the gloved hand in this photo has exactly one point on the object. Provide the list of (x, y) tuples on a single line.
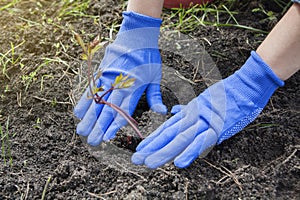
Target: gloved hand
[(135, 53), (221, 111)]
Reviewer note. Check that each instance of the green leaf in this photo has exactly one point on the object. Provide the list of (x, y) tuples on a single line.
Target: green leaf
[(123, 82), (118, 80), (96, 48), (84, 56), (97, 89), (127, 83), (256, 10)]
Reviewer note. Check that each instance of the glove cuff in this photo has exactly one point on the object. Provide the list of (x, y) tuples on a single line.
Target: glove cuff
[(133, 20), (138, 32), (260, 82)]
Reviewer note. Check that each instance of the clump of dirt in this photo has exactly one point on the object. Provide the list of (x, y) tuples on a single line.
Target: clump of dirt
[(262, 161)]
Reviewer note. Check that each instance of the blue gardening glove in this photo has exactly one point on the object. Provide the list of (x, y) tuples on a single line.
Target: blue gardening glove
[(135, 53), (221, 111)]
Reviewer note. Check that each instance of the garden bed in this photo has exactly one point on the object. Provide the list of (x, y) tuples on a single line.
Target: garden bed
[(42, 157)]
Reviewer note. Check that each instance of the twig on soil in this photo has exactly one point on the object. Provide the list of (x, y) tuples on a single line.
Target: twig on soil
[(186, 190), (196, 70), (45, 188), (166, 172), (65, 74), (227, 172), (183, 78), (19, 99), (126, 170), (53, 120), (100, 196), (26, 193), (286, 160), (73, 139), (49, 101), (206, 40)]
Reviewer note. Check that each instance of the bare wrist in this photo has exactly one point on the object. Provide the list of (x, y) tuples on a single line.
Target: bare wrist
[(152, 8)]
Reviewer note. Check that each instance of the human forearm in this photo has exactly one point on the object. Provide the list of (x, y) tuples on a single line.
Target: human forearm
[(152, 8), (280, 50)]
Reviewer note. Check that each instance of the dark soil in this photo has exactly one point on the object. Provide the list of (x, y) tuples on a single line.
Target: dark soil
[(261, 162)]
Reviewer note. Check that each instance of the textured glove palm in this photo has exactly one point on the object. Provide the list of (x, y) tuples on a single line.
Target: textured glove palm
[(134, 53), (221, 111)]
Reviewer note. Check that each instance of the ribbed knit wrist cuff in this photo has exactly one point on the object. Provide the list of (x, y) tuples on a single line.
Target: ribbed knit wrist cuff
[(138, 32), (133, 20)]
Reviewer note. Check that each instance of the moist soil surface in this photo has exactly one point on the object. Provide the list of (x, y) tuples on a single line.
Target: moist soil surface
[(42, 157)]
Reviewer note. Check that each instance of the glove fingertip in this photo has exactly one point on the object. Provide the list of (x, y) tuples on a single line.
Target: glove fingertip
[(143, 144), (139, 147), (95, 137), (159, 108), (94, 141), (110, 135), (182, 163), (176, 109), (152, 163), (138, 158), (81, 131)]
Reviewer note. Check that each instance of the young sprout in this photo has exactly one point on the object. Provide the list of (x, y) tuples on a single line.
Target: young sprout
[(120, 81)]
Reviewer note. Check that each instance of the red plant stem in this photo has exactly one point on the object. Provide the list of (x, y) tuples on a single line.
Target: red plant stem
[(128, 118), (101, 100), (106, 92), (89, 73)]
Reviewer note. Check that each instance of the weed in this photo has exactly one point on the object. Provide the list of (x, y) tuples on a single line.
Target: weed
[(120, 82), (187, 20), (270, 15), (9, 5), (32, 76), (75, 8), (54, 102), (261, 126), (28, 79), (283, 5), (10, 59), (37, 124), (6, 144), (6, 89)]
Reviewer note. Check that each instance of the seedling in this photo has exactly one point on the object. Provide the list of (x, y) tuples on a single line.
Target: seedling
[(9, 5), (5, 144), (120, 82), (70, 8), (10, 59), (37, 124), (187, 20)]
